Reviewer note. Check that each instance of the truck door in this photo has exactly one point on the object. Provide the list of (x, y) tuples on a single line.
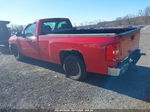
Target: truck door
[(29, 43), (44, 40)]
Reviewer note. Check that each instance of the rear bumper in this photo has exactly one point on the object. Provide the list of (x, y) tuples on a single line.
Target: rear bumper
[(123, 66)]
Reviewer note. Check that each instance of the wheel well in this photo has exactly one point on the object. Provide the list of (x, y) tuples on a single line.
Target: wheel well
[(64, 54), (12, 46)]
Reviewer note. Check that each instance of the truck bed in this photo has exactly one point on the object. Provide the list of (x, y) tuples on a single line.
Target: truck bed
[(108, 31), (128, 37)]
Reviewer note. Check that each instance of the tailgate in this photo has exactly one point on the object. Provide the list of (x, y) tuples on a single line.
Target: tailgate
[(129, 42)]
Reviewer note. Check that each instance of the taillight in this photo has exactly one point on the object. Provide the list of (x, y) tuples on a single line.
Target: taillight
[(112, 52)]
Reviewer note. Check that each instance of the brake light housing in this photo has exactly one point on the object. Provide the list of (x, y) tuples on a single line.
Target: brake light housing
[(112, 52)]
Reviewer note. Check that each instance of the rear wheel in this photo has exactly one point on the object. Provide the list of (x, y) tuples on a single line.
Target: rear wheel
[(16, 53), (74, 67)]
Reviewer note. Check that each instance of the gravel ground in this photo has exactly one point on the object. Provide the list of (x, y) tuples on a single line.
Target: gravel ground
[(34, 84)]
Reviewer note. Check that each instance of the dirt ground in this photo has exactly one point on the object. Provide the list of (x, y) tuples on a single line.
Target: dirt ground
[(34, 84)]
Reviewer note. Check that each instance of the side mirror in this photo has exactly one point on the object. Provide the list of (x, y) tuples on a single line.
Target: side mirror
[(18, 34), (29, 34)]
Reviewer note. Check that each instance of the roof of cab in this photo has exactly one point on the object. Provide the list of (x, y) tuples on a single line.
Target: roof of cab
[(4, 22), (53, 19), (48, 19)]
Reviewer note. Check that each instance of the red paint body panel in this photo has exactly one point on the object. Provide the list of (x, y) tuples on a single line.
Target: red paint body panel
[(93, 48)]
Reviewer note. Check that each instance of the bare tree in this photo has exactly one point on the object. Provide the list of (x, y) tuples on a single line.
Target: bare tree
[(141, 18), (128, 19), (16, 28), (147, 15), (147, 11), (140, 13), (119, 21)]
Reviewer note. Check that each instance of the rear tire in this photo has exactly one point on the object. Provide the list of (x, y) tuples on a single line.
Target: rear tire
[(74, 68), (16, 53)]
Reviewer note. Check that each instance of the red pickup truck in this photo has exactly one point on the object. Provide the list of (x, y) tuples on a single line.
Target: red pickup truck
[(55, 40)]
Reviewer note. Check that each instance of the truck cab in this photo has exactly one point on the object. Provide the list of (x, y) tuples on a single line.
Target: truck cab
[(4, 32)]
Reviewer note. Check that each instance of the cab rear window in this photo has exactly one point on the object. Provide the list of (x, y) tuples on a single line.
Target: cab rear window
[(49, 27)]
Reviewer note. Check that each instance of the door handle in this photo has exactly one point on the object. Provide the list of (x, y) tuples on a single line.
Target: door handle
[(30, 41)]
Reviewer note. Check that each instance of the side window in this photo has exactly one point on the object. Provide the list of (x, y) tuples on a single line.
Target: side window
[(30, 30), (47, 27), (63, 25)]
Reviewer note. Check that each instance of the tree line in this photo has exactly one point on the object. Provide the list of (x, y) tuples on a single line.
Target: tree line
[(141, 18)]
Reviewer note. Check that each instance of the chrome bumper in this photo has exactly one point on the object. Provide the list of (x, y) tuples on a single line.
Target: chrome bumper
[(118, 71), (124, 65)]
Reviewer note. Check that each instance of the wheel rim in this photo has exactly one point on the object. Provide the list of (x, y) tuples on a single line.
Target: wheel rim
[(72, 68)]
